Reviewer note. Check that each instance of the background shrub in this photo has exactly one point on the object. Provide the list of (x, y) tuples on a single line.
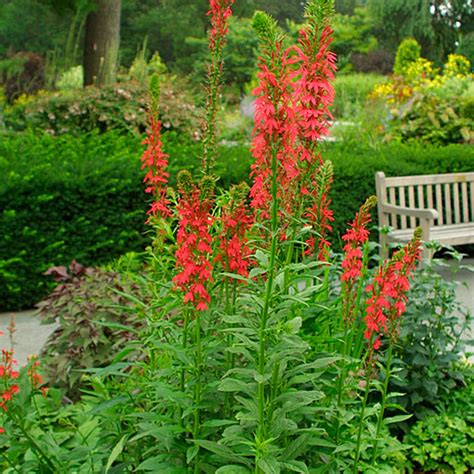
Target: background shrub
[(352, 91), (120, 107), (432, 344), (408, 52), (444, 442), (67, 197), (379, 61), (93, 323)]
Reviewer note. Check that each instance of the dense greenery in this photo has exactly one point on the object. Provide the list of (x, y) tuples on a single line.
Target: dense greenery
[(367, 33)]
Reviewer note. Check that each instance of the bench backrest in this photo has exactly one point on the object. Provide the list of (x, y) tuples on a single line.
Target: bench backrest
[(452, 195)]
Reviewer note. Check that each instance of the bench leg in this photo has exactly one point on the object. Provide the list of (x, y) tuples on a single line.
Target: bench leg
[(426, 253)]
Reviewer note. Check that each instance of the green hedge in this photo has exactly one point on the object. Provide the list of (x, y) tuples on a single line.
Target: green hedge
[(64, 198)]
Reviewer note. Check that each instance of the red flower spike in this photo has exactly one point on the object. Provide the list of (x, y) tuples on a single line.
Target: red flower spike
[(274, 124), (155, 162), (194, 248), (234, 252), (220, 11), (388, 295), (355, 237)]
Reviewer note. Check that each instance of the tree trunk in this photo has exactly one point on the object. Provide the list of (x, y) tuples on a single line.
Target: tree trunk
[(102, 39)]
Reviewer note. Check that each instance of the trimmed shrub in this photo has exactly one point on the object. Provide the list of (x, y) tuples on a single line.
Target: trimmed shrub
[(65, 197)]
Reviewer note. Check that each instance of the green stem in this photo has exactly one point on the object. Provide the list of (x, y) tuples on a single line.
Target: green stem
[(198, 387), (184, 345), (383, 403), (355, 469), (261, 430), (182, 381), (340, 380), (228, 355), (9, 462), (359, 339), (291, 246)]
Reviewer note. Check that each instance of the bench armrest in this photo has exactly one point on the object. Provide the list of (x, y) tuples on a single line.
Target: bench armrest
[(430, 214)]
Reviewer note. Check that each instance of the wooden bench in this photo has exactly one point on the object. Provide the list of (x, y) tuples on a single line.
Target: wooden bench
[(442, 205)]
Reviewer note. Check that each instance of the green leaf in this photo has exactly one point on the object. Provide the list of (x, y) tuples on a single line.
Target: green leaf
[(232, 469), (397, 419), (156, 464), (234, 385), (191, 453), (296, 447), (269, 465), (295, 466), (222, 451), (116, 452)]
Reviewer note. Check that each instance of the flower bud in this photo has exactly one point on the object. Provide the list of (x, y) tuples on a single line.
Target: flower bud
[(207, 186), (264, 25), (154, 88), (185, 181), (319, 10), (239, 192)]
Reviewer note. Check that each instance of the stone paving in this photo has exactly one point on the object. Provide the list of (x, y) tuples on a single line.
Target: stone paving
[(31, 335)]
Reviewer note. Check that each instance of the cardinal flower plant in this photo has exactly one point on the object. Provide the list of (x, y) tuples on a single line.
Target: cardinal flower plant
[(261, 353), (245, 391)]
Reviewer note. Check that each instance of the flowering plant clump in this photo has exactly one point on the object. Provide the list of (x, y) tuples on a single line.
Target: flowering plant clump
[(226, 379)]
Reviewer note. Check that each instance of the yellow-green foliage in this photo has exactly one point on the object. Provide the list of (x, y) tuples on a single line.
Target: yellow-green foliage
[(428, 103), (408, 52)]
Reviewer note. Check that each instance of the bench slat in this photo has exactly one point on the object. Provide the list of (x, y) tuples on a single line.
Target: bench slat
[(401, 199), (447, 201), (429, 196), (430, 179), (393, 200), (457, 212), (411, 203), (465, 203), (421, 196), (455, 234), (439, 204)]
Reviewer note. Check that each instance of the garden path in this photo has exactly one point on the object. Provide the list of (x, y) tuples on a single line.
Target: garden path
[(30, 334)]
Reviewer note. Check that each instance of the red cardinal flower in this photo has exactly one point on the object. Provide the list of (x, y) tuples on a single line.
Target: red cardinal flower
[(275, 132), (355, 238), (220, 11), (234, 252), (313, 95), (388, 293), (193, 256), (155, 162)]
